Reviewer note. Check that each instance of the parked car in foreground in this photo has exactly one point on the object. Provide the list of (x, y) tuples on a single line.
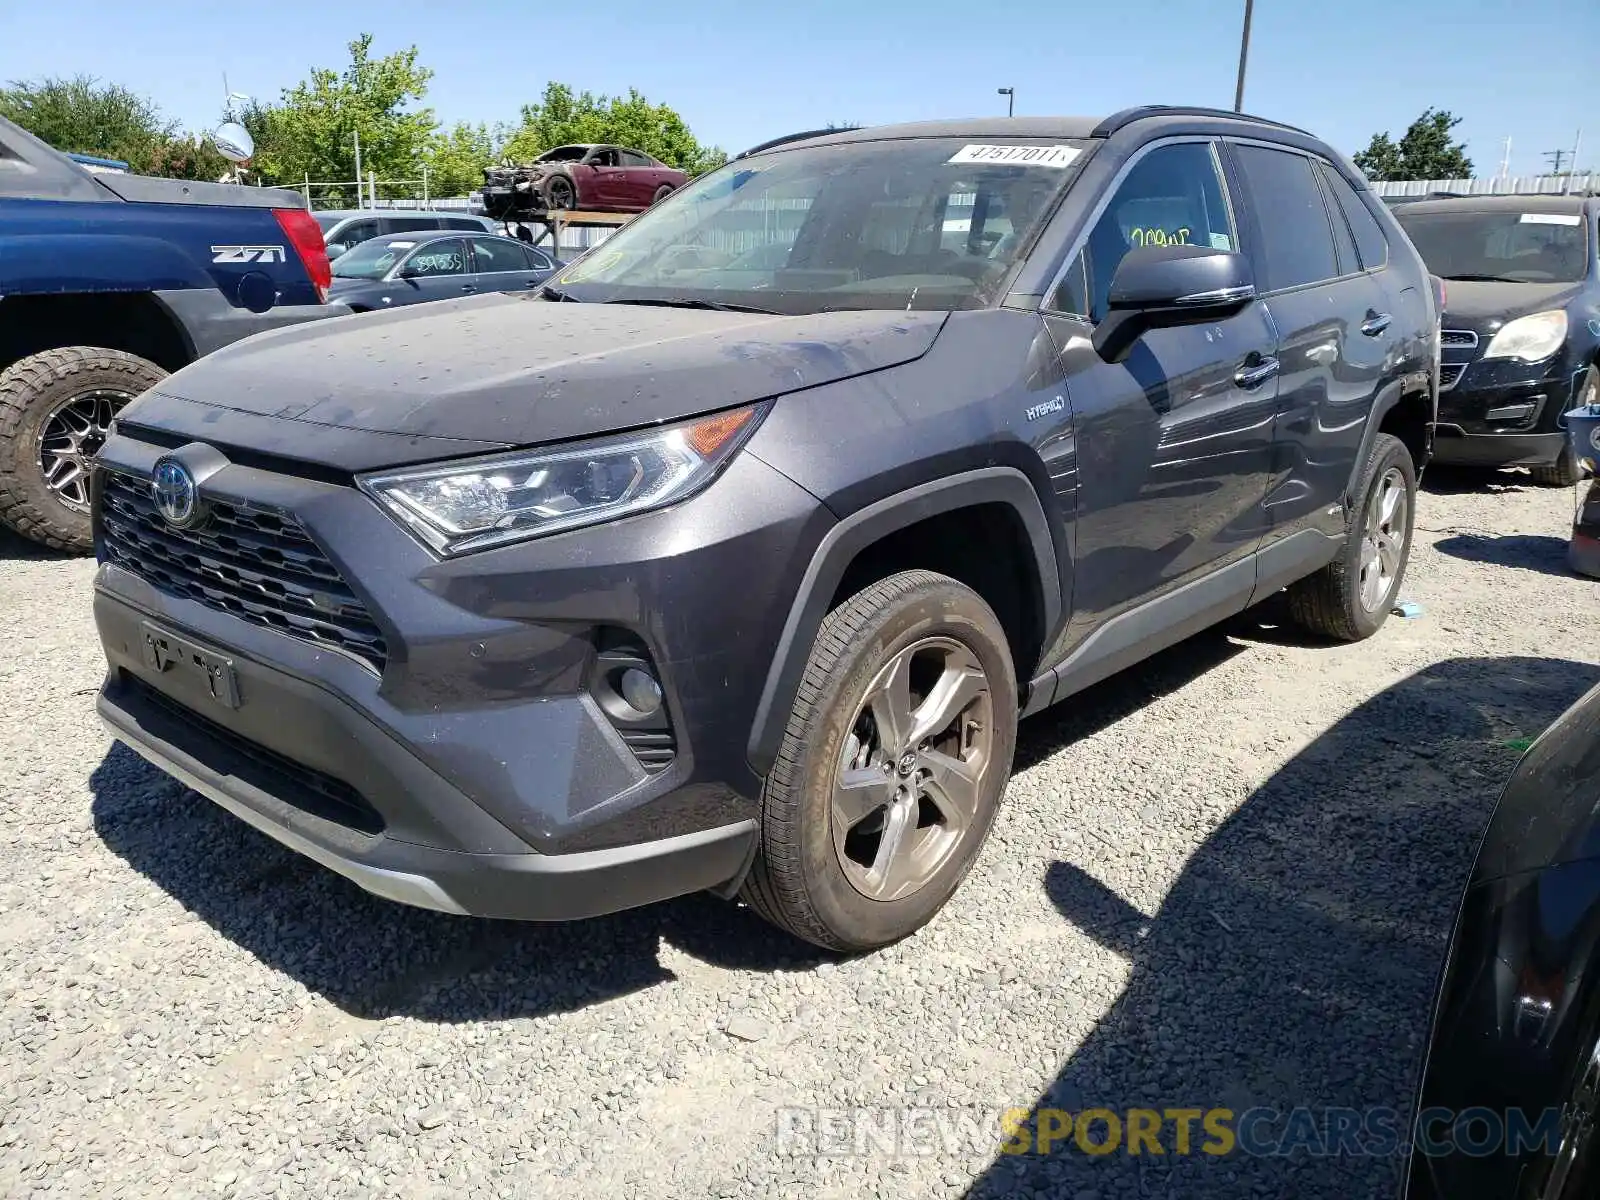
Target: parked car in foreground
[(391, 271), (344, 229), (1521, 336), (594, 178), (1516, 1030), (692, 576), (107, 282)]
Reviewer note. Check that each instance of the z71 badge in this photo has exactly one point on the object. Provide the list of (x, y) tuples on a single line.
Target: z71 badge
[(247, 254)]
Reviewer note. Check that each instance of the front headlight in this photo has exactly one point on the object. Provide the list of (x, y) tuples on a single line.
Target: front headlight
[(1529, 338), (476, 503)]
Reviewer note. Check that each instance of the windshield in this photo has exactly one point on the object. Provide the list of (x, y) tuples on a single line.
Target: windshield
[(923, 223), (1516, 247), (371, 260)]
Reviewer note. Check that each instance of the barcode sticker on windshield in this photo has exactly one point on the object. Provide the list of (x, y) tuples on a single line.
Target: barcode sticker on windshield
[(1550, 219), (1055, 157)]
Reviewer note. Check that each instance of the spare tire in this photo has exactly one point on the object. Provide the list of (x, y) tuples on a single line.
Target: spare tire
[(56, 409)]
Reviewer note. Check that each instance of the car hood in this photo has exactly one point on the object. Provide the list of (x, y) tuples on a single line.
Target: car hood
[(1477, 304), (515, 370)]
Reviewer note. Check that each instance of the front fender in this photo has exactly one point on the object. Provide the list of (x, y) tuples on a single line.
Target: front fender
[(987, 485), (95, 262)]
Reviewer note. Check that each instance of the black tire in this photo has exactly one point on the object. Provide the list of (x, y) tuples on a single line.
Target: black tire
[(1563, 473), (798, 881), (662, 192), (559, 193), (1329, 602), (33, 390)]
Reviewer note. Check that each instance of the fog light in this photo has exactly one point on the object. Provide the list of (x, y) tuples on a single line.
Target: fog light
[(641, 691)]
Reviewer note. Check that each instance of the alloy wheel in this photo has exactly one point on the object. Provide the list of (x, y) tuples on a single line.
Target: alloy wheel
[(72, 434), (1383, 541), (909, 777)]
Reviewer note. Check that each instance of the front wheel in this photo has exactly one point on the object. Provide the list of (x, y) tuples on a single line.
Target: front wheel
[(1350, 598), (892, 765), (56, 409), (560, 194)]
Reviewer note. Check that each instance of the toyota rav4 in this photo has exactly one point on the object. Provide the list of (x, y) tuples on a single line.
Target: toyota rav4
[(731, 560)]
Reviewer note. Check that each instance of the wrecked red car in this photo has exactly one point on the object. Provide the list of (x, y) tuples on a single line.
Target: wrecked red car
[(594, 178)]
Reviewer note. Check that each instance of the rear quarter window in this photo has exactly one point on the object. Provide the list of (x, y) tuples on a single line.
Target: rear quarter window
[(1374, 247)]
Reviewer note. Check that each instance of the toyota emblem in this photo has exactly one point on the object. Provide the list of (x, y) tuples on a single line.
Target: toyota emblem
[(175, 493)]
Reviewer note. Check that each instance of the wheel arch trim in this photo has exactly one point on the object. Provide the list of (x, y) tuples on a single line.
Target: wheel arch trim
[(855, 533)]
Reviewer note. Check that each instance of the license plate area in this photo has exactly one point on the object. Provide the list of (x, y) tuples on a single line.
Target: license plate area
[(165, 652)]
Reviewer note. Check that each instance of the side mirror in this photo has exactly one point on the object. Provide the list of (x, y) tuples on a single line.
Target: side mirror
[(407, 272), (1159, 286), (335, 249)]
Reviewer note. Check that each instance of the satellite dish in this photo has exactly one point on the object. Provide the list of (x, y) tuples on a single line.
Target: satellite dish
[(233, 142)]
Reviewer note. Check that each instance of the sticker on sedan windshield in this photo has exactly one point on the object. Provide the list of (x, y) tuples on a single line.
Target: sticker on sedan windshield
[(1550, 219), (1055, 157)]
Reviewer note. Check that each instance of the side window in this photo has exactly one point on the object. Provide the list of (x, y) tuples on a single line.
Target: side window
[(495, 255), (1173, 196), (1296, 239), (411, 224), (355, 233), (447, 256), (632, 158), (1370, 241), (1343, 243), (603, 158), (536, 260)]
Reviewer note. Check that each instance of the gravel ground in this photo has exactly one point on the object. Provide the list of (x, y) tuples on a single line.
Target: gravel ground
[(1224, 879)]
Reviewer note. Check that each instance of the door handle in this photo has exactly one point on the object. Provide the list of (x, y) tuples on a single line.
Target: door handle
[(467, 287), (1375, 323), (1254, 376)]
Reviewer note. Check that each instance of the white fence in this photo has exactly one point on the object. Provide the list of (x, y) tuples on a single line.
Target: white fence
[(1517, 185)]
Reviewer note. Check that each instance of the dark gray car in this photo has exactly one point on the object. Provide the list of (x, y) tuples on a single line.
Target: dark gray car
[(390, 271), (716, 570)]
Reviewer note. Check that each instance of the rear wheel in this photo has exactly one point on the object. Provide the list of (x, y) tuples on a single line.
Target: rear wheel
[(56, 409), (892, 765), (560, 194), (1350, 598), (662, 193)]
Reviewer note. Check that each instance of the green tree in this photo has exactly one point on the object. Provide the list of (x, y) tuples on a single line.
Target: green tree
[(562, 117), (1426, 151), (456, 159), (312, 128), (84, 116)]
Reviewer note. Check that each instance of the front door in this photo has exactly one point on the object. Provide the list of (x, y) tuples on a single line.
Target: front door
[(1174, 442), (437, 271)]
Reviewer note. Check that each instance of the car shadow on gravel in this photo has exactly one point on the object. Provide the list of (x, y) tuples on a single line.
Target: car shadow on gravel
[(1531, 552), (1450, 480), (1294, 961), (15, 548), (374, 958)]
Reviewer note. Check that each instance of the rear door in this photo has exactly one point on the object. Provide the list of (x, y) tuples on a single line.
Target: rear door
[(500, 265), (437, 270), (643, 178), (1335, 332), (1174, 442)]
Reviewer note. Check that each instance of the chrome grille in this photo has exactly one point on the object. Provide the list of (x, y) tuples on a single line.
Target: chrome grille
[(259, 566), (1450, 375), (1458, 337)]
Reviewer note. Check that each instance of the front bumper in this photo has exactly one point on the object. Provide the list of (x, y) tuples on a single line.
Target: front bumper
[(1451, 445), (1503, 413), (474, 770)]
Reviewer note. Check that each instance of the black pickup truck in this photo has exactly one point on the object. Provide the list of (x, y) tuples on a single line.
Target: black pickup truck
[(108, 283)]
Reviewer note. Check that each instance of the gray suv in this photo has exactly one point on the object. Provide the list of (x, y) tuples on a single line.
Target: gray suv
[(346, 228), (715, 569)]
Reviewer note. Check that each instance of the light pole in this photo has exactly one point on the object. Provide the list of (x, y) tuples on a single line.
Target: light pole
[(1244, 53), (1010, 94)]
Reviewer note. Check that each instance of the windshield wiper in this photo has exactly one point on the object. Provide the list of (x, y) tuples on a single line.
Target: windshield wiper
[(691, 302), (551, 292), (1485, 279)]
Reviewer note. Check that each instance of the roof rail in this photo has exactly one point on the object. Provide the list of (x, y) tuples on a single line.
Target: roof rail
[(1128, 116), (794, 137)]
